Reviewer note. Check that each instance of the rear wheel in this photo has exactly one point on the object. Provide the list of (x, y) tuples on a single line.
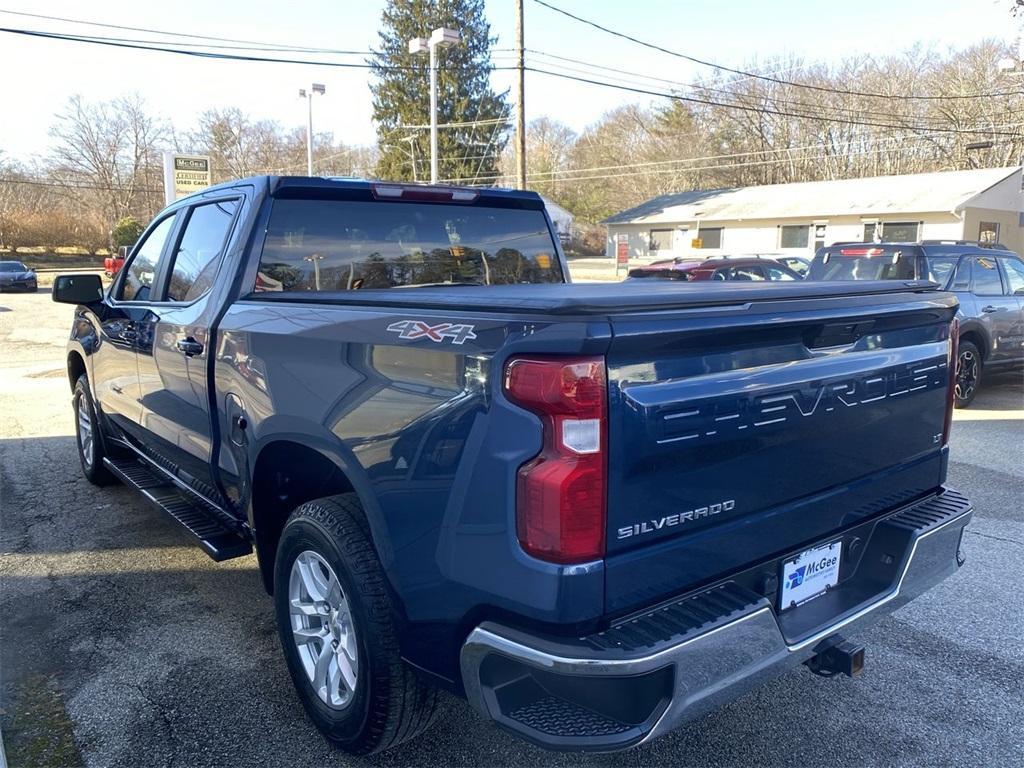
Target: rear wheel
[(336, 623), (88, 438), (968, 374)]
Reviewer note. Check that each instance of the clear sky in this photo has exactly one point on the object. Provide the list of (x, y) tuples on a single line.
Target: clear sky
[(37, 76)]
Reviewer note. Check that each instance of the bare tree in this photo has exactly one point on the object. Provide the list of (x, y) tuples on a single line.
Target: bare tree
[(112, 150)]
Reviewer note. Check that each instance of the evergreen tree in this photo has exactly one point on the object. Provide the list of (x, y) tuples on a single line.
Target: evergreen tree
[(401, 93)]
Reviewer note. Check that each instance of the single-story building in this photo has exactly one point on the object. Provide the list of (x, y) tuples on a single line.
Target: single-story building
[(985, 204)]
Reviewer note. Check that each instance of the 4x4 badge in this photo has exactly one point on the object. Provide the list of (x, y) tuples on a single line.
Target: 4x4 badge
[(417, 329)]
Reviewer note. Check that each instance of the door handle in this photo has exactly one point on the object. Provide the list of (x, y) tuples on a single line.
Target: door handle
[(189, 347), (989, 309)]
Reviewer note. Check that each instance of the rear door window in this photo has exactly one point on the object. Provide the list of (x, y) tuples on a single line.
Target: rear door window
[(141, 272), (198, 253), (986, 277), (338, 245), (1014, 275)]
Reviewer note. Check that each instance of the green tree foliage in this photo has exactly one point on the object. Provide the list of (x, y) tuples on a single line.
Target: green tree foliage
[(126, 232), (401, 93)]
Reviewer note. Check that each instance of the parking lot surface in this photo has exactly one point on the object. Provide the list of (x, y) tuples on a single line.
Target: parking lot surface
[(123, 645)]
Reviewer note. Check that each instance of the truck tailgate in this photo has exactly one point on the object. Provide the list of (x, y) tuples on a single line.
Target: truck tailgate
[(737, 434)]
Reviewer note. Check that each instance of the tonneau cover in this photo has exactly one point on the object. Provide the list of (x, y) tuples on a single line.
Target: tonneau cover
[(596, 298)]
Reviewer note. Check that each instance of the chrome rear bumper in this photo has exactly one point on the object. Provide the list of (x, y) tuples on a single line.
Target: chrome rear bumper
[(647, 675)]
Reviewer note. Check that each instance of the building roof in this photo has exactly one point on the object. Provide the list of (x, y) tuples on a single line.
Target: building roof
[(910, 193)]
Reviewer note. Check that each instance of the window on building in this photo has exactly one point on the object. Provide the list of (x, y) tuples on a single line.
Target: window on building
[(710, 238), (899, 231), (870, 227), (661, 240), (819, 236), (986, 277), (197, 256), (794, 236), (988, 232)]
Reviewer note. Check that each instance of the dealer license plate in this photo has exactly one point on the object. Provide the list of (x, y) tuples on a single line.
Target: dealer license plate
[(809, 574)]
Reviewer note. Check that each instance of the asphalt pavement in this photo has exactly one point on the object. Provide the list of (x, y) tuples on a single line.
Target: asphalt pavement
[(123, 645)]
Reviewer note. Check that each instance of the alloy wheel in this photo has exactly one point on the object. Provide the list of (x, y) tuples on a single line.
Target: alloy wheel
[(85, 432), (323, 629), (966, 374)]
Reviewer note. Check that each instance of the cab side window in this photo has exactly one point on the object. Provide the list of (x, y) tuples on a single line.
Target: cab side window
[(198, 253), (141, 272), (986, 277)]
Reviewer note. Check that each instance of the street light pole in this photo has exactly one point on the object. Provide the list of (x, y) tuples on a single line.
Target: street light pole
[(440, 37), (316, 88), (433, 111)]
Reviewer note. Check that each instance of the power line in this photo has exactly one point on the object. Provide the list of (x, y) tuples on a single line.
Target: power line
[(780, 81), (743, 98), (125, 43), (717, 166), (765, 110), (167, 33)]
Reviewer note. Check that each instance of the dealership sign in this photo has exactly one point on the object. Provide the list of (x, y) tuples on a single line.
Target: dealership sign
[(184, 174)]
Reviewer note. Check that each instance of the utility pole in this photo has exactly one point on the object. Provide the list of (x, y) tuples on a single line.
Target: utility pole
[(520, 101)]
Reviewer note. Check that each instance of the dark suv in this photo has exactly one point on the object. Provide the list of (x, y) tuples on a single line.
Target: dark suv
[(988, 279)]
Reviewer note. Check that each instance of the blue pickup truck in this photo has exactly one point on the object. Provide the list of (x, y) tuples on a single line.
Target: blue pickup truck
[(595, 511)]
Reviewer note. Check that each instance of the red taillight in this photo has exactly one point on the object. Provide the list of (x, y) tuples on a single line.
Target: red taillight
[(954, 347), (861, 251), (561, 493)]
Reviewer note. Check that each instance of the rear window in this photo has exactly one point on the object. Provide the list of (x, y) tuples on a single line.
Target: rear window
[(863, 263), (338, 245)]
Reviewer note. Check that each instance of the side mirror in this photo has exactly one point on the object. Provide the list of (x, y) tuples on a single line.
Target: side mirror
[(78, 289)]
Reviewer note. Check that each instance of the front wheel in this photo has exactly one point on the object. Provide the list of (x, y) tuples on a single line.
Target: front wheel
[(968, 374), (87, 436), (337, 627)]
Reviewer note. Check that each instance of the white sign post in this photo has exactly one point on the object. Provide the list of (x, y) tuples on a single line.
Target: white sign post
[(184, 174)]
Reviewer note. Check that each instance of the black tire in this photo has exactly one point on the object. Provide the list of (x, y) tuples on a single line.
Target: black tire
[(390, 703), (90, 452), (969, 365)]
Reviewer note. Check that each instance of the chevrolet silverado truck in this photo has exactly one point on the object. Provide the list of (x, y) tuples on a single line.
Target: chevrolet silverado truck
[(595, 511)]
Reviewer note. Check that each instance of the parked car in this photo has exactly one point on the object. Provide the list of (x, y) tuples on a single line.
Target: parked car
[(596, 511), (15, 276), (987, 279), (798, 264), (745, 268), (112, 264)]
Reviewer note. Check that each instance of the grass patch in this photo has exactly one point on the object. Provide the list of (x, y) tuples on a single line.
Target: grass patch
[(37, 730)]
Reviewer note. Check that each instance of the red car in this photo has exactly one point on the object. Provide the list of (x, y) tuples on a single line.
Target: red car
[(750, 268)]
